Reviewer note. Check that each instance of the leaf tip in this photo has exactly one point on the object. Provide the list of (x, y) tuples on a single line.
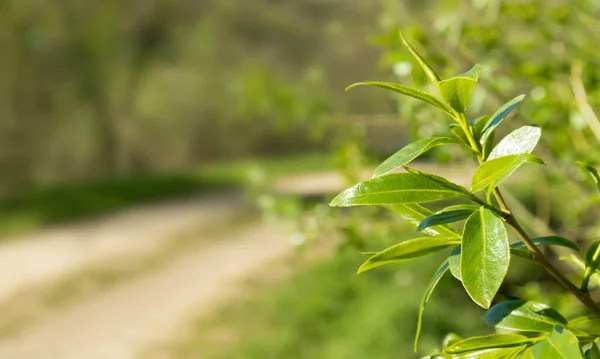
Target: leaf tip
[(350, 87)]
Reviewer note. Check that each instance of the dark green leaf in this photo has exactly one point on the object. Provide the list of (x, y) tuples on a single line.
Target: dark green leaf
[(592, 257), (410, 152), (488, 342), (414, 214), (407, 250), (522, 140), (491, 173), (478, 125), (457, 90), (549, 240), (407, 91), (454, 262), (592, 171), (489, 145), (523, 316), (485, 256), (562, 344), (396, 188), (430, 287), (498, 116), (424, 65), (448, 215), (593, 352)]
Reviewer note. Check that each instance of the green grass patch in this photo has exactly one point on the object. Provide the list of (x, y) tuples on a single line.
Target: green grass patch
[(36, 205), (325, 311)]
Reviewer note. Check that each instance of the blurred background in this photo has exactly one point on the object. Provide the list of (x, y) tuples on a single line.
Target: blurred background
[(166, 167)]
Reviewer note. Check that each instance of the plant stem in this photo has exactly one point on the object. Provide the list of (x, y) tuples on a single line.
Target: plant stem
[(542, 260), (590, 269)]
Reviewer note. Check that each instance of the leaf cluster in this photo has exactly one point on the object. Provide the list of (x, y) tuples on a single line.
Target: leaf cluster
[(480, 254)]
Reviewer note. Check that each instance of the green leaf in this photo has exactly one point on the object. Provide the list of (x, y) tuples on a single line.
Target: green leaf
[(451, 339), (525, 316), (441, 180), (562, 344), (448, 215), (491, 173), (414, 214), (491, 341), (478, 125), (407, 250), (592, 171), (454, 262), (458, 132), (430, 287), (424, 65), (485, 256), (407, 91), (492, 353), (410, 152), (549, 240), (498, 116), (397, 188), (592, 257), (457, 90), (521, 140), (593, 352)]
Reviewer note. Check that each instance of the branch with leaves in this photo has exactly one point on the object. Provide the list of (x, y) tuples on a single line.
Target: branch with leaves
[(480, 255)]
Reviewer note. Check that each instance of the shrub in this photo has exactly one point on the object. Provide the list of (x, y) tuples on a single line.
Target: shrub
[(480, 255)]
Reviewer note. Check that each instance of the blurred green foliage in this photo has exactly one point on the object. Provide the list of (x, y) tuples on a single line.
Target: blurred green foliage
[(100, 89)]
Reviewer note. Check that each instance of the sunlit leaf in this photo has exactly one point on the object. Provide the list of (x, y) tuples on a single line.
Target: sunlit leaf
[(498, 116), (424, 65), (522, 140), (430, 287), (454, 262), (525, 316), (562, 344), (410, 152), (458, 132), (448, 215), (457, 90), (407, 250), (441, 180), (397, 188), (414, 214), (485, 256), (491, 173), (408, 91), (487, 342), (450, 339)]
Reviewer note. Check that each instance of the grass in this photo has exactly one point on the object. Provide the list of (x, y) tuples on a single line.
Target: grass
[(37, 205), (324, 311)]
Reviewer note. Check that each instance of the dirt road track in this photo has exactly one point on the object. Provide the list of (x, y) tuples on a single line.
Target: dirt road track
[(120, 323)]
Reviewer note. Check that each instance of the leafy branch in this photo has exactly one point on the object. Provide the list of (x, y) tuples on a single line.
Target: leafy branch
[(480, 255)]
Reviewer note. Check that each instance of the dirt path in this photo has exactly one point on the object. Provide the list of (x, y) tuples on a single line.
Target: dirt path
[(121, 322), (124, 320), (51, 254)]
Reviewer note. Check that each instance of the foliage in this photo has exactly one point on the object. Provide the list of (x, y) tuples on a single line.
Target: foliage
[(482, 255)]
